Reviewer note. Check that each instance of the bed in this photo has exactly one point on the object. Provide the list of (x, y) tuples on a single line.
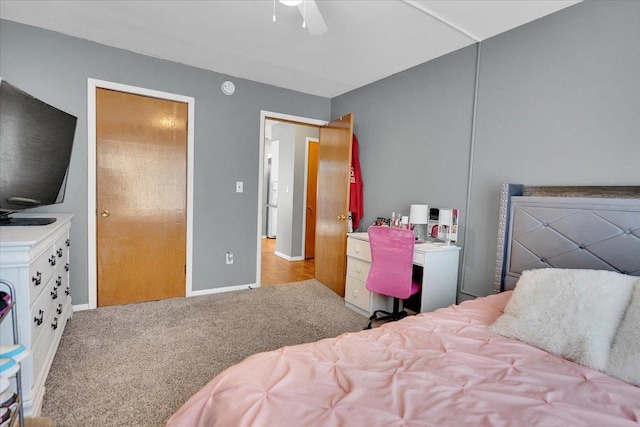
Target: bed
[(547, 352)]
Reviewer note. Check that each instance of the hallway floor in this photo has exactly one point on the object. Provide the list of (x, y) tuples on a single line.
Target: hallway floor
[(276, 270)]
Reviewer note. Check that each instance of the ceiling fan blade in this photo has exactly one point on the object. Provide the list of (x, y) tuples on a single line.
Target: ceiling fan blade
[(315, 23)]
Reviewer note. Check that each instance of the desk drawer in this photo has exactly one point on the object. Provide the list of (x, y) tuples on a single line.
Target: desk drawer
[(357, 268), (357, 294), (358, 249), (418, 258)]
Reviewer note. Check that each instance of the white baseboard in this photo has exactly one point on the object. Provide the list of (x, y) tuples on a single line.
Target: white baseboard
[(80, 307), (83, 307), (289, 258), (220, 290)]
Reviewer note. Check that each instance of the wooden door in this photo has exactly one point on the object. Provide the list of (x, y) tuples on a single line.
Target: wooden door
[(141, 152), (334, 165), (312, 191)]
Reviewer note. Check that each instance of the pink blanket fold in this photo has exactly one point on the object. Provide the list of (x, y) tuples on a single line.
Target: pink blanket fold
[(436, 369)]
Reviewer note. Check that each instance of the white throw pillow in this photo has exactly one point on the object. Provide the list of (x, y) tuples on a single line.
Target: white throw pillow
[(624, 358), (571, 313)]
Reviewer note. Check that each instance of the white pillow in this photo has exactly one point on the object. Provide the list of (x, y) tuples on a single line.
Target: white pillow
[(624, 358), (571, 313)]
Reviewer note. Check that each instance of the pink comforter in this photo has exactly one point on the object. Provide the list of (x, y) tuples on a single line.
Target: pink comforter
[(437, 369)]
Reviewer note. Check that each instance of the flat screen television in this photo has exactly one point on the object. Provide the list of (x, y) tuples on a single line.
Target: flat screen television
[(35, 149)]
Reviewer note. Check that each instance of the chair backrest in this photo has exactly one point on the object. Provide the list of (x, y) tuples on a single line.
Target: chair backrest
[(391, 261)]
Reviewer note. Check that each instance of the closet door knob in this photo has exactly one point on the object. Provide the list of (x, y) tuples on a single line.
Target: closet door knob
[(105, 213), (342, 217)]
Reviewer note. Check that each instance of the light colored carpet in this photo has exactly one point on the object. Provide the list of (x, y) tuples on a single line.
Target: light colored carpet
[(134, 365)]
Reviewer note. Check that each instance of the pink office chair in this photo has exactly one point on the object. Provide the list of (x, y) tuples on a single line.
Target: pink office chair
[(391, 271)]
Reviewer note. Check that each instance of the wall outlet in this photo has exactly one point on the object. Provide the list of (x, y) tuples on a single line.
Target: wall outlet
[(239, 186), (229, 257)]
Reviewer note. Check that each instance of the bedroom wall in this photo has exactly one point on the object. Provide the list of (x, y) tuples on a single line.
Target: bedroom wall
[(558, 104), (55, 68), (291, 203), (285, 134)]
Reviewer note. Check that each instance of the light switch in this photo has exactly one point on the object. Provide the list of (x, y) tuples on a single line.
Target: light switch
[(239, 186)]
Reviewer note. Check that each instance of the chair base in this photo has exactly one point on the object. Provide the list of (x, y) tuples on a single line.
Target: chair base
[(391, 317)]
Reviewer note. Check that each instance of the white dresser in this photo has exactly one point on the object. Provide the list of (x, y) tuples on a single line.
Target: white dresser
[(36, 260), (439, 264)]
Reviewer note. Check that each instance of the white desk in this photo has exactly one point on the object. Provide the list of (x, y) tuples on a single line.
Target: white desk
[(439, 277)]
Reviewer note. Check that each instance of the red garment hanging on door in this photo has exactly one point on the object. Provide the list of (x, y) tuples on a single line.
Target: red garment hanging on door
[(356, 198)]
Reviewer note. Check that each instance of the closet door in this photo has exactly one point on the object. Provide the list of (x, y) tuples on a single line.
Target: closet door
[(141, 148)]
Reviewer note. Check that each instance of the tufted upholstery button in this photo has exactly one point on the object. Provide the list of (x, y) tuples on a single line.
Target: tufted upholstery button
[(543, 260), (627, 231), (581, 246), (544, 224)]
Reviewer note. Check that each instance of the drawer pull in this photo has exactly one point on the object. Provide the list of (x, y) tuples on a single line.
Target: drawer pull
[(60, 252), (54, 293), (67, 291), (54, 324), (59, 309), (59, 281), (38, 320), (66, 267), (357, 249), (68, 242), (359, 268), (37, 279), (52, 260)]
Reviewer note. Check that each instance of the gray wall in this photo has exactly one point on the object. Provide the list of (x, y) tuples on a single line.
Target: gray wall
[(291, 165), (559, 104), (285, 134), (299, 202), (55, 68)]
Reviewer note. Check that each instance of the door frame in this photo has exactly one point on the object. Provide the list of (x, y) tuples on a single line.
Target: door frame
[(264, 115), (307, 141), (92, 86)]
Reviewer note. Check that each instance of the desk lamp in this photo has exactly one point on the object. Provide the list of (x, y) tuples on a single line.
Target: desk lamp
[(418, 216)]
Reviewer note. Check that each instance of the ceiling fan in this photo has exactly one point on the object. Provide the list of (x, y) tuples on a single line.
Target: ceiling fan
[(311, 17)]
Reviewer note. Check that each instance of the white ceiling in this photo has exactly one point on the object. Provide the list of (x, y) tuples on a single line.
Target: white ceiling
[(366, 40)]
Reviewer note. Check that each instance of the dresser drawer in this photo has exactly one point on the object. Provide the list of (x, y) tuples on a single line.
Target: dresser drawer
[(358, 249), (62, 250), (357, 268), (40, 271), (42, 347), (45, 305), (357, 294)]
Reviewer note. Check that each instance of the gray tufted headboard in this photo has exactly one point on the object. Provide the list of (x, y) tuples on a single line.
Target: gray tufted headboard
[(566, 227)]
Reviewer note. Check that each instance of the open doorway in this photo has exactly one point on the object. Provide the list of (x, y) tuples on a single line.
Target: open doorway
[(286, 219), (289, 210)]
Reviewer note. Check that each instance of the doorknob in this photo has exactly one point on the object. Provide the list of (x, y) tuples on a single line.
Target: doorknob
[(342, 217), (105, 213)]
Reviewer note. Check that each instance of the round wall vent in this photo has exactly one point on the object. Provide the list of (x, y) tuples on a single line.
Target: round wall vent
[(228, 88)]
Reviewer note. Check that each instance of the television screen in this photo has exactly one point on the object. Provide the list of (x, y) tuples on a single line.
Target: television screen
[(35, 150)]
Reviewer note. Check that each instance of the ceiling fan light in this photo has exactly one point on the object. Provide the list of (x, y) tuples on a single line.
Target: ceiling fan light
[(290, 2)]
